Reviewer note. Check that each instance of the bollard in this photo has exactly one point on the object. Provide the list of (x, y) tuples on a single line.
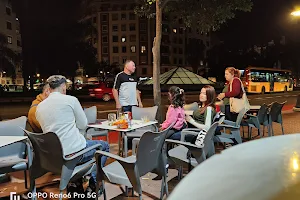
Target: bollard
[(297, 106)]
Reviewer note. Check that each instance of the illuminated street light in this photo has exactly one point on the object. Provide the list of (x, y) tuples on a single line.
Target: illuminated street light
[(38, 75), (86, 75), (296, 13), (4, 72)]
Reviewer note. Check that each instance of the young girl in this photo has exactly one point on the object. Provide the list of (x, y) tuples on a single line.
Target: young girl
[(175, 113), (202, 117)]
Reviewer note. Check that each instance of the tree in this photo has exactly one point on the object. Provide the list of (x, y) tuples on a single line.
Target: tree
[(205, 15)]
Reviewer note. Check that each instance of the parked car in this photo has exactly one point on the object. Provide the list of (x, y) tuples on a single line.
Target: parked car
[(102, 91)]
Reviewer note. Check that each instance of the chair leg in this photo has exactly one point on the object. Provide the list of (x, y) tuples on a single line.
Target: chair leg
[(60, 195), (132, 192), (259, 132), (166, 186), (162, 189), (282, 129), (126, 191), (104, 191), (263, 130), (107, 139), (244, 131), (249, 132), (25, 179)]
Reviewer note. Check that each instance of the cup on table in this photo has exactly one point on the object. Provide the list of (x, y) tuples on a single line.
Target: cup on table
[(145, 119), (111, 118)]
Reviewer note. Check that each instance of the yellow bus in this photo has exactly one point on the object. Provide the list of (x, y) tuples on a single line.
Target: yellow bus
[(261, 80)]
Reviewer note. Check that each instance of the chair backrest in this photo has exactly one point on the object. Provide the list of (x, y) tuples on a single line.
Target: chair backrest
[(275, 111), (208, 140), (150, 152), (262, 114), (91, 114), (192, 106), (240, 117), (48, 153), (13, 127), (150, 112), (218, 116)]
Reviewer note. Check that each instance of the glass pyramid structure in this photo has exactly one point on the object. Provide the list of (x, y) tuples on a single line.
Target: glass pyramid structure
[(180, 76)]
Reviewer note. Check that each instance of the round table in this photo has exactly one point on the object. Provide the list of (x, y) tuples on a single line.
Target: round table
[(262, 169)]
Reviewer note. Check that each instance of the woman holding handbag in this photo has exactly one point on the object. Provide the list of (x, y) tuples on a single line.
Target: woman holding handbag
[(234, 89)]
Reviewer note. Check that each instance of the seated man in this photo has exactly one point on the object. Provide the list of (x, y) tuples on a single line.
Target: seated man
[(35, 125), (63, 115)]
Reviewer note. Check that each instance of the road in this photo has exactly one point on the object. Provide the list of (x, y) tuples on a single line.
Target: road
[(13, 110)]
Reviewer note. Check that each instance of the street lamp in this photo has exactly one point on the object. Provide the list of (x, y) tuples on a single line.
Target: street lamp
[(296, 13), (38, 75)]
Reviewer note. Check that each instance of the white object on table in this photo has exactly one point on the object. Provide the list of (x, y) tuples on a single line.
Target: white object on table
[(188, 112), (135, 124), (261, 169), (7, 140)]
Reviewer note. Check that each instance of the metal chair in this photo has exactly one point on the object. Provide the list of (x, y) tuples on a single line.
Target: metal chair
[(48, 157), (127, 171), (275, 115), (255, 121), (13, 157), (192, 106), (91, 115), (181, 155), (137, 114), (234, 128)]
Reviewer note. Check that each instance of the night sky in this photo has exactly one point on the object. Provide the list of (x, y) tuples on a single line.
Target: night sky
[(46, 29), (269, 19)]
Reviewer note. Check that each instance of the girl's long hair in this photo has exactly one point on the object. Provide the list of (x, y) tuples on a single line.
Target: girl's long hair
[(177, 96)]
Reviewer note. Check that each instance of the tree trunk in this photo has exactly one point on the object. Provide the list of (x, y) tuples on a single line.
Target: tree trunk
[(156, 61)]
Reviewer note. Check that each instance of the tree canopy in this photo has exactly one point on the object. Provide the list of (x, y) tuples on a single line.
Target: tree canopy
[(205, 15)]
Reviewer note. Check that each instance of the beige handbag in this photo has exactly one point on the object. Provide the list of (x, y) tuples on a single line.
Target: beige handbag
[(236, 104)]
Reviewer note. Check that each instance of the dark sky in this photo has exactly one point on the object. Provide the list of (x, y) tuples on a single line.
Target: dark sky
[(47, 29), (269, 19)]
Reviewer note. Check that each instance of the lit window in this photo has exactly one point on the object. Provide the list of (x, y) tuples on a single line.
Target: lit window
[(123, 39), (9, 39), (143, 49), (132, 49)]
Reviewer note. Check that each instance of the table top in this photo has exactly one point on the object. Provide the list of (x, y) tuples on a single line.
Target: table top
[(267, 168), (136, 124), (7, 140)]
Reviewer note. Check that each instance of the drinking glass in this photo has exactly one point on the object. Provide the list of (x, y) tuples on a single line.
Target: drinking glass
[(111, 118)]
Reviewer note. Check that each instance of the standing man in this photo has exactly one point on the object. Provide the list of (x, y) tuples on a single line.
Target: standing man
[(125, 89), (35, 125)]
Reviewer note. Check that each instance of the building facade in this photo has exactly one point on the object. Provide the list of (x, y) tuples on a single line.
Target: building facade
[(10, 28), (122, 35)]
